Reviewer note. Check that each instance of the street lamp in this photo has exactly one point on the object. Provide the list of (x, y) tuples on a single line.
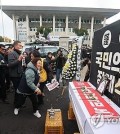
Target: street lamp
[(16, 27)]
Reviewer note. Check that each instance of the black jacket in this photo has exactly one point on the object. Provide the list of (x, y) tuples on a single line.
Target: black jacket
[(15, 66), (3, 65), (60, 62)]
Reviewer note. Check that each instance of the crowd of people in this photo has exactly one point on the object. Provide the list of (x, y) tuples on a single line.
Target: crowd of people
[(28, 74)]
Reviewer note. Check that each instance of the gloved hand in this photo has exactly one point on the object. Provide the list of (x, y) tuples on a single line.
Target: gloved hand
[(53, 80)]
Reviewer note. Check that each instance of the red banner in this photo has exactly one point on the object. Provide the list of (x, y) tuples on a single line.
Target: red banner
[(93, 101)]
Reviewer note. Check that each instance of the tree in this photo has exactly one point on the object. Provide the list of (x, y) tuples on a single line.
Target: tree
[(40, 30), (44, 31), (80, 32), (6, 39), (1, 39)]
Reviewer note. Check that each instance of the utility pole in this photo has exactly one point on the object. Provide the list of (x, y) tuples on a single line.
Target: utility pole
[(2, 20)]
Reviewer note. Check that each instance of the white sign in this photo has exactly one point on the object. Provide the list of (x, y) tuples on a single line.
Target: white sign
[(52, 86), (22, 31)]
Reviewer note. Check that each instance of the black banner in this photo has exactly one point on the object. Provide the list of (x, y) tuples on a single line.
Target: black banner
[(106, 59)]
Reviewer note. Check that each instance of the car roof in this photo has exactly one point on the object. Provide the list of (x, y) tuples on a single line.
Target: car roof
[(43, 48), (6, 45)]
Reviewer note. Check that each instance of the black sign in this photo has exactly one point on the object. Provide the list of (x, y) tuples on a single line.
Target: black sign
[(106, 59)]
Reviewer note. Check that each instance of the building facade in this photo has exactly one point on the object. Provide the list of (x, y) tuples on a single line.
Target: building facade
[(62, 20)]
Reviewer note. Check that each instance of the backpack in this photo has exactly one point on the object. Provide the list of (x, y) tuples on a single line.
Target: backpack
[(43, 73)]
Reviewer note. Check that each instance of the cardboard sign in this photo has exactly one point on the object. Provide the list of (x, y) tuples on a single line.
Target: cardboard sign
[(51, 86)]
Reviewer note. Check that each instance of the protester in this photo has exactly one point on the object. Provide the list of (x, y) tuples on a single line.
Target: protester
[(3, 66), (10, 48), (46, 75), (24, 63), (28, 87), (34, 54), (7, 77), (15, 64), (60, 62), (87, 62), (50, 59)]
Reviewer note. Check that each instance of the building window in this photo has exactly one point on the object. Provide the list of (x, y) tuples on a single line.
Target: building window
[(88, 21), (42, 19), (97, 21), (36, 19), (57, 20), (75, 21), (63, 20), (29, 19), (58, 29), (33, 29), (71, 21), (70, 29), (47, 20), (20, 20), (24, 19)]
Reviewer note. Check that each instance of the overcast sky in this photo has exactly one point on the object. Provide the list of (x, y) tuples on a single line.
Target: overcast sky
[(8, 25)]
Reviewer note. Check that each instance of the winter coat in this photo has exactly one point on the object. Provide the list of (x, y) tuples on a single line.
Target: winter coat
[(3, 65), (15, 66), (60, 62), (29, 80)]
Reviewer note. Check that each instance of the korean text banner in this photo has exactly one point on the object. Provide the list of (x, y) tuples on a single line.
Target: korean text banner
[(106, 59)]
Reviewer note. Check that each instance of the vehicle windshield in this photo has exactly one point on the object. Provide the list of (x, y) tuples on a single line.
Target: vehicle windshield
[(44, 50), (49, 49)]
